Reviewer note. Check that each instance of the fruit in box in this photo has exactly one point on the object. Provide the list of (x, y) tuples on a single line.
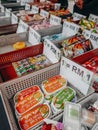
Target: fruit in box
[(19, 45)]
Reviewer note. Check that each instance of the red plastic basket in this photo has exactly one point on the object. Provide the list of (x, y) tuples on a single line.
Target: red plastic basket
[(6, 69)]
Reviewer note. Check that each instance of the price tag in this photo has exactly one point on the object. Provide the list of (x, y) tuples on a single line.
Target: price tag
[(94, 40), (77, 16), (34, 37), (27, 7), (44, 13), (14, 19), (51, 51), (7, 12), (78, 76), (93, 18), (86, 33), (70, 29), (2, 8), (54, 20), (22, 27), (35, 9)]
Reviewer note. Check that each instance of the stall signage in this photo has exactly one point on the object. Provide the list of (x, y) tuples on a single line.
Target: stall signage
[(51, 51), (35, 9), (22, 27), (14, 19), (86, 33), (94, 40), (54, 20), (7, 12), (70, 29), (34, 37), (2, 8), (93, 18), (44, 13), (77, 16), (78, 76), (27, 7)]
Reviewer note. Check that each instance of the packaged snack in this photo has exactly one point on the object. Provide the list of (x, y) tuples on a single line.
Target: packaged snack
[(92, 65), (87, 24), (77, 49), (72, 40), (66, 94), (88, 118), (53, 84), (27, 99), (34, 116), (72, 116)]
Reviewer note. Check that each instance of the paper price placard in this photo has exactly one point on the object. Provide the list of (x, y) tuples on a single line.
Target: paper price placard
[(7, 12), (78, 76), (94, 40), (27, 7), (93, 18), (34, 37), (2, 8), (35, 9), (22, 27), (86, 33), (44, 13), (77, 16), (51, 51), (54, 20), (14, 19), (70, 29)]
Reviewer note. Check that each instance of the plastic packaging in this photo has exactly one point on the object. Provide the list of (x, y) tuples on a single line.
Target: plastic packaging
[(88, 118), (72, 116), (66, 94), (53, 84), (34, 116), (27, 99)]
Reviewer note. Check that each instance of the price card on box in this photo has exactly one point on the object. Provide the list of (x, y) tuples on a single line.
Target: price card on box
[(93, 18), (2, 8), (78, 76), (77, 16), (51, 51), (54, 20), (34, 37), (14, 19), (44, 13), (94, 40), (22, 27), (35, 9), (7, 12), (70, 29), (86, 33), (27, 7)]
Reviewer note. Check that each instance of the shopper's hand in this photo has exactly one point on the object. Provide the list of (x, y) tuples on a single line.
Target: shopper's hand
[(79, 3)]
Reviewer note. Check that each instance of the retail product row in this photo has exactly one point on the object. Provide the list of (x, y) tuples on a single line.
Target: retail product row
[(48, 69)]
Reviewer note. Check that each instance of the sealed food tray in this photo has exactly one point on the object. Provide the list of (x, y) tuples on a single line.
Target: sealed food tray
[(7, 71), (85, 57), (7, 41), (10, 88)]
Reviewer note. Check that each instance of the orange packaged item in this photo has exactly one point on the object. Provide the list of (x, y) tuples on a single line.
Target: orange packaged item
[(53, 84), (34, 116), (19, 45), (27, 99)]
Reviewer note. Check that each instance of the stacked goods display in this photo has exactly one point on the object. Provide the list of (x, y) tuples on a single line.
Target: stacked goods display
[(89, 61)]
